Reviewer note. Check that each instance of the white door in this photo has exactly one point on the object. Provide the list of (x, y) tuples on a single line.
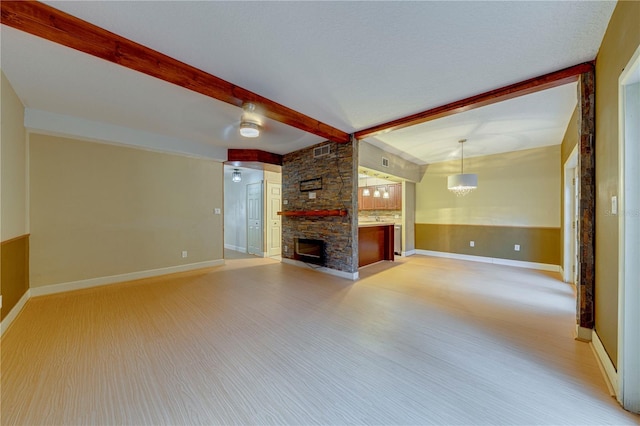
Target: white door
[(274, 225), (254, 219)]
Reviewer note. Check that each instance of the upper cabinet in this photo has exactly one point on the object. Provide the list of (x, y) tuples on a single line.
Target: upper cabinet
[(394, 202)]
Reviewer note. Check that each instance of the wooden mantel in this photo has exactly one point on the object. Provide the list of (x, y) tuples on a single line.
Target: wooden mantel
[(336, 212)]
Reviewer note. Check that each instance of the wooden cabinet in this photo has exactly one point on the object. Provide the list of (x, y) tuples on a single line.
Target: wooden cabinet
[(365, 203), (394, 202), (375, 243)]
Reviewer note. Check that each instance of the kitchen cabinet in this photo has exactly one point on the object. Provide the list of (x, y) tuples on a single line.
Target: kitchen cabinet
[(375, 243), (394, 202), (365, 203)]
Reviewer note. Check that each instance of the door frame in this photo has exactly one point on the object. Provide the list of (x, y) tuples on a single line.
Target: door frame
[(268, 214), (260, 209), (570, 208), (628, 391)]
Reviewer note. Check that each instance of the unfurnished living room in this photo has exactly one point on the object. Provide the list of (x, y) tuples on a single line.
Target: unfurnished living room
[(318, 212)]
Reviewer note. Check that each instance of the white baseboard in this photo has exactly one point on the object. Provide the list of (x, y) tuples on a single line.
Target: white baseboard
[(583, 334), (604, 362), (235, 248), (494, 260), (348, 275), (409, 253), (113, 279), (13, 313)]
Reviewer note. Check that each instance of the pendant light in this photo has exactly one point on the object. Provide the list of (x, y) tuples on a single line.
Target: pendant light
[(236, 176), (366, 192), (376, 193), (462, 184), (385, 194)]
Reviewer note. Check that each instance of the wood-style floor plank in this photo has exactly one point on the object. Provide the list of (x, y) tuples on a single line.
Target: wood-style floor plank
[(418, 341)]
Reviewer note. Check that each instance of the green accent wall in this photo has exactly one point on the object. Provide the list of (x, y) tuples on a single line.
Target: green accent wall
[(14, 277), (620, 41), (538, 245)]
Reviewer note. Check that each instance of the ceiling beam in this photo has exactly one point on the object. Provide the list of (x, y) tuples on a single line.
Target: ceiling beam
[(252, 155), (536, 84), (54, 25)]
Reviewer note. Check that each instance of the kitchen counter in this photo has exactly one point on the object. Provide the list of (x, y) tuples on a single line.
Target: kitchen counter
[(375, 242), (366, 224)]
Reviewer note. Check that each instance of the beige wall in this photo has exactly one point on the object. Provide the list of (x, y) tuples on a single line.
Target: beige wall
[(519, 188), (409, 216), (13, 164), (101, 210), (371, 157), (569, 141), (618, 45), (14, 249)]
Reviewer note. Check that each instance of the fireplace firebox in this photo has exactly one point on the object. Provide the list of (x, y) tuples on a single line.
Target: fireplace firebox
[(309, 251)]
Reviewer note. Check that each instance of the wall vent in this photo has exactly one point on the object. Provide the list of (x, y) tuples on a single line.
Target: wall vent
[(321, 151), (385, 162)]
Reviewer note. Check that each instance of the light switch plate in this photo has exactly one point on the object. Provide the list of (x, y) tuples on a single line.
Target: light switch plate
[(216, 211), (312, 195), (614, 204)]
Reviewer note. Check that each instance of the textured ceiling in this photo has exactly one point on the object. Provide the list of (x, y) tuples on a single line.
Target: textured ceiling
[(348, 64)]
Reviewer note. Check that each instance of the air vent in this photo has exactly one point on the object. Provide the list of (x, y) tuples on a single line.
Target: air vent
[(385, 162), (321, 150)]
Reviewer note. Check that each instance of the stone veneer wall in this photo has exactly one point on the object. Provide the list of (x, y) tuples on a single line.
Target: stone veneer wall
[(339, 191)]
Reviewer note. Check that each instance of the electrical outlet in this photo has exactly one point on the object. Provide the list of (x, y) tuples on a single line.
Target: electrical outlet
[(184, 254), (516, 247), (472, 243), (285, 202), (216, 211), (286, 249), (312, 195)]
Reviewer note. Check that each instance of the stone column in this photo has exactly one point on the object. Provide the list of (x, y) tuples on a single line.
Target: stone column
[(587, 220)]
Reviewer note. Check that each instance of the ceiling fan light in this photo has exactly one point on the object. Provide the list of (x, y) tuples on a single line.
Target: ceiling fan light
[(249, 129)]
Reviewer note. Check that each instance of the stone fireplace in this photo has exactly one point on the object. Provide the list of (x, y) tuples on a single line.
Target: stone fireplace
[(319, 193)]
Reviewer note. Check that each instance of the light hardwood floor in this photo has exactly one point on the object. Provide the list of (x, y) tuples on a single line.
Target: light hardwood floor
[(418, 341)]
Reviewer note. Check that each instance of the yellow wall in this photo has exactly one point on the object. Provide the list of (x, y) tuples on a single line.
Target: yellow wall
[(569, 141), (14, 160), (14, 256), (618, 45), (100, 210), (519, 188)]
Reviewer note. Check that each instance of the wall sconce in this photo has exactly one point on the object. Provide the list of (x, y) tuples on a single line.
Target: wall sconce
[(236, 176)]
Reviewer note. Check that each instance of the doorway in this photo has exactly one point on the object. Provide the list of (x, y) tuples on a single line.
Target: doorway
[(570, 220), (628, 210), (254, 219), (274, 225)]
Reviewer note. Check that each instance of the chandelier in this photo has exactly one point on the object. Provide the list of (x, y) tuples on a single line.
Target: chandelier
[(462, 184)]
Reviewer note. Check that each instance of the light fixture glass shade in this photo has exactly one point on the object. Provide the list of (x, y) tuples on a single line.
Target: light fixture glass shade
[(249, 129), (463, 183), (376, 193), (236, 176), (366, 192), (385, 194)]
